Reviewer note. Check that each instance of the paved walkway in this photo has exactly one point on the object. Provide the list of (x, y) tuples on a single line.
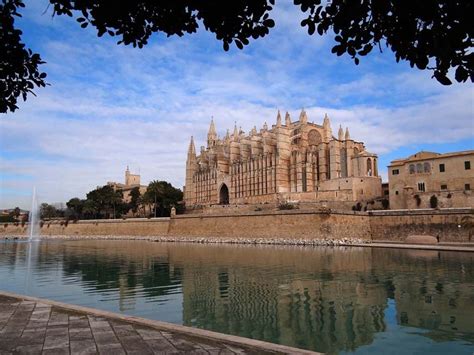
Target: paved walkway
[(34, 326)]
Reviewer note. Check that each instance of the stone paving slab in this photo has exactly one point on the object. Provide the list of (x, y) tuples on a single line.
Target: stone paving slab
[(32, 326)]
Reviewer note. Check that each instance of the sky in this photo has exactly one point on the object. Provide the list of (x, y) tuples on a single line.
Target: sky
[(111, 106)]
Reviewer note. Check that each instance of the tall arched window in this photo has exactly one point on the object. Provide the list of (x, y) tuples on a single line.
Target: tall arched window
[(343, 156), (427, 167), (412, 168), (369, 167), (419, 168)]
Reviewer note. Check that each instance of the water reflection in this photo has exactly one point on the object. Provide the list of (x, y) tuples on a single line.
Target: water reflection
[(326, 299)]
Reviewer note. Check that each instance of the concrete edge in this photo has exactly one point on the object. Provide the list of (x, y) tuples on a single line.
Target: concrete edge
[(452, 246), (159, 325), (468, 249)]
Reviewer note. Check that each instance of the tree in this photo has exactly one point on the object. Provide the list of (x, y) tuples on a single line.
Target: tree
[(162, 196), (104, 201), (19, 72), (429, 34), (48, 211), (75, 206), (135, 199), (16, 212)]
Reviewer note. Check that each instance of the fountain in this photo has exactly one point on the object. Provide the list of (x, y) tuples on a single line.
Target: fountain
[(34, 220), (33, 236)]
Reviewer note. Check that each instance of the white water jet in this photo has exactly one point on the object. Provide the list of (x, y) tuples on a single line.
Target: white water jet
[(34, 220), (33, 236)]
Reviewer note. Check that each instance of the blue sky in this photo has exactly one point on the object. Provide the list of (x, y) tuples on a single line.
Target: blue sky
[(110, 106)]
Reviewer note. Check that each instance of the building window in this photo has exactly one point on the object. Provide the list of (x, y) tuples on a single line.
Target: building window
[(441, 168), (395, 172), (467, 165), (426, 167), (412, 168), (419, 168), (444, 187), (386, 192), (396, 192), (369, 167), (421, 186), (467, 187)]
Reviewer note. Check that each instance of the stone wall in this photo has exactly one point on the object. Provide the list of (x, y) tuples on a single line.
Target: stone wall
[(450, 225), (281, 224), (120, 227)]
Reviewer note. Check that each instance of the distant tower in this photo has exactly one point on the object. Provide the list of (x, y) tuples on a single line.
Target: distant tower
[(127, 176), (131, 179), (212, 135)]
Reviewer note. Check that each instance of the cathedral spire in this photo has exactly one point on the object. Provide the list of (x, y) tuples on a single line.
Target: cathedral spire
[(340, 133), (278, 119), (212, 127), (303, 116), (212, 134), (287, 119), (327, 128), (326, 120), (191, 149), (236, 132), (347, 134)]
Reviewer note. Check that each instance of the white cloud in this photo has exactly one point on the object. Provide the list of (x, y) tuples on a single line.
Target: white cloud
[(112, 106)]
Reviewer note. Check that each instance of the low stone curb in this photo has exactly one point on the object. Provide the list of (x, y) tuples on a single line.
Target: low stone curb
[(462, 248), (169, 327), (344, 242), (208, 240)]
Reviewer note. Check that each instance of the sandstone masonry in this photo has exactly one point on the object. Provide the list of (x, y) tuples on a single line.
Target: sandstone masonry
[(287, 162)]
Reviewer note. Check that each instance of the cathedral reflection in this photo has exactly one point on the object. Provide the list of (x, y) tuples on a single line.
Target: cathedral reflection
[(326, 299)]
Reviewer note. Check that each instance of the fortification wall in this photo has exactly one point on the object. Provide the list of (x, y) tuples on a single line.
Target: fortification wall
[(451, 225), (281, 224), (120, 227)]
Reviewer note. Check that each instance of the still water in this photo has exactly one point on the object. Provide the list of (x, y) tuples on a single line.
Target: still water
[(336, 300)]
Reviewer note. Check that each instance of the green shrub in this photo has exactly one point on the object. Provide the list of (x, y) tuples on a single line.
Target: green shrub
[(285, 206)]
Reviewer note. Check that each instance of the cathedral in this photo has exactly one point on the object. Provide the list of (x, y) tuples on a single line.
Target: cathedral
[(289, 162)]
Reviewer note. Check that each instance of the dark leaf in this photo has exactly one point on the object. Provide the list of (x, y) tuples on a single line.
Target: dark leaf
[(442, 78)]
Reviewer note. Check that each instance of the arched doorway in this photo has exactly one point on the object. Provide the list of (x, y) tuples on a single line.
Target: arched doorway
[(224, 195)]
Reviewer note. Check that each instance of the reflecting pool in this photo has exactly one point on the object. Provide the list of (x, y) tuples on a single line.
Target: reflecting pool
[(327, 299)]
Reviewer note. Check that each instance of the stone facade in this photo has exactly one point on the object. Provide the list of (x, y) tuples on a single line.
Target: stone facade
[(449, 177), (131, 181), (449, 225), (291, 161)]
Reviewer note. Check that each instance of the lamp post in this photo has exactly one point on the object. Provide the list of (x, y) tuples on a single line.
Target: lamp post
[(155, 203)]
